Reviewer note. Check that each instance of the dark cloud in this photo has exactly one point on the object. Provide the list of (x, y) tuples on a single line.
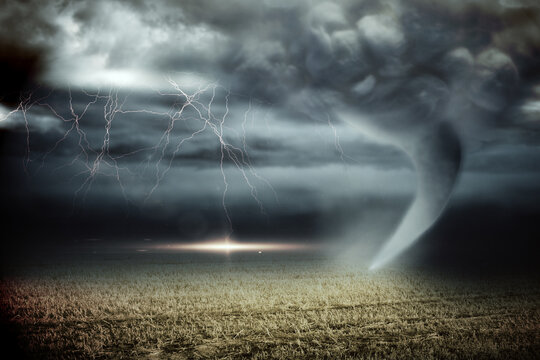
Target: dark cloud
[(19, 67), (24, 46), (425, 83)]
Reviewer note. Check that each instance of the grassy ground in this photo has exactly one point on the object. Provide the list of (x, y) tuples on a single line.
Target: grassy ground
[(298, 308)]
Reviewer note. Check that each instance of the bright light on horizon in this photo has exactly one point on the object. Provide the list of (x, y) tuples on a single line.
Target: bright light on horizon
[(226, 245)]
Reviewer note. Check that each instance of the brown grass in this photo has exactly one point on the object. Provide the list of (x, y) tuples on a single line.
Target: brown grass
[(283, 310)]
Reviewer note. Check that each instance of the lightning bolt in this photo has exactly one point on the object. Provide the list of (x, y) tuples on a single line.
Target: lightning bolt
[(98, 161), (337, 143)]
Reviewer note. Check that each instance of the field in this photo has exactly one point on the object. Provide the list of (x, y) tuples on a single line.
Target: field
[(171, 307)]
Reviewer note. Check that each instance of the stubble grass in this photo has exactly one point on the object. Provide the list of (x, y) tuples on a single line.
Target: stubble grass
[(266, 309)]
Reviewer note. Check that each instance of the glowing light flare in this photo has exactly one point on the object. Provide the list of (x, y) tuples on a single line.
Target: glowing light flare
[(226, 246)]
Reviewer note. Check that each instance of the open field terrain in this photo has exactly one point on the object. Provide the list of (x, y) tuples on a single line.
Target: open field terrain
[(153, 306)]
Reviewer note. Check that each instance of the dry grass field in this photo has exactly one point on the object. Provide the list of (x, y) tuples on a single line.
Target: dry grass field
[(166, 308)]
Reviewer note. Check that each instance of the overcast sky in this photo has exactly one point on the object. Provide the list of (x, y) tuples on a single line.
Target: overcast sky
[(295, 119)]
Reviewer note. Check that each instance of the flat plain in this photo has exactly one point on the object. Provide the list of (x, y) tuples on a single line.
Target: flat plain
[(152, 306)]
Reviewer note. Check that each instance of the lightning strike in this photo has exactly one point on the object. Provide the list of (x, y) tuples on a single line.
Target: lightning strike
[(98, 161)]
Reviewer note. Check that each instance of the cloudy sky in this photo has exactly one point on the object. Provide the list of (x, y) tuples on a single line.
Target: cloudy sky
[(353, 121)]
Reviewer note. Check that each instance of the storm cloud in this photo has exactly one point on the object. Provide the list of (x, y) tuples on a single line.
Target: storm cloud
[(359, 92)]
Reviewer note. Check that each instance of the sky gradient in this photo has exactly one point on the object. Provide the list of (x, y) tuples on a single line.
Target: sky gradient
[(290, 120)]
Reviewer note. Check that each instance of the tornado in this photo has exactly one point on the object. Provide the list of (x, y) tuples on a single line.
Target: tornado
[(436, 156)]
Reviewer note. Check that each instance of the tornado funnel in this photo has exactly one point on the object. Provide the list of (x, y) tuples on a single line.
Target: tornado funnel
[(436, 155)]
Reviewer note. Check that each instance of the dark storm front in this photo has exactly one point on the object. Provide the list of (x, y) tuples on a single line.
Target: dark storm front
[(273, 179), (246, 127)]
